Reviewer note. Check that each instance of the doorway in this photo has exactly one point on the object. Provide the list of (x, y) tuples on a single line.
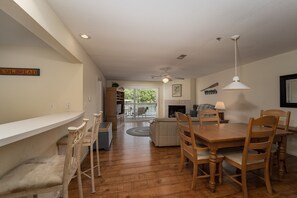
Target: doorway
[(140, 103)]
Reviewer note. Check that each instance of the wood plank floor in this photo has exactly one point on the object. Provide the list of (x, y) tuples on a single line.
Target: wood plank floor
[(133, 167)]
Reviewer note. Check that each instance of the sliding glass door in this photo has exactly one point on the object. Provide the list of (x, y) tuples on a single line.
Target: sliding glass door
[(140, 104)]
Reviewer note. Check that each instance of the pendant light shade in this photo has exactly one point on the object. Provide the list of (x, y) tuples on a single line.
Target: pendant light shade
[(236, 84)]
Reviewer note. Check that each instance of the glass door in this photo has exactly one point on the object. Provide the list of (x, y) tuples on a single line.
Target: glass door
[(140, 104)]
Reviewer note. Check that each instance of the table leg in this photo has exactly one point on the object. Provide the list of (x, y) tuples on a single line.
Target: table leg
[(282, 146), (212, 169)]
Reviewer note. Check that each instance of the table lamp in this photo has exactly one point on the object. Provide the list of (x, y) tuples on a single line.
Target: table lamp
[(220, 106)]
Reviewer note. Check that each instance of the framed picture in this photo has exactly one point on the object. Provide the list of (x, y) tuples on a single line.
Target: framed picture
[(176, 90)]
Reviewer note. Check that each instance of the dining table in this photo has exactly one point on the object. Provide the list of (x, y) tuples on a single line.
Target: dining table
[(233, 135)]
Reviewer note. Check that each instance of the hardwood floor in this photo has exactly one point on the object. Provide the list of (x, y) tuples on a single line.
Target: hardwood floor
[(133, 167)]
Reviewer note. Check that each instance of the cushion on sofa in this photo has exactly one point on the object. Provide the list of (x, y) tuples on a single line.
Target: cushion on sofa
[(204, 106)]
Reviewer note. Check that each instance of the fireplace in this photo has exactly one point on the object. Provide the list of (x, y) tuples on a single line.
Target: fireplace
[(175, 108)]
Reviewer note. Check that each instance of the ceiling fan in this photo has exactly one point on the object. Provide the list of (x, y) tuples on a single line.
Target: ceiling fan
[(166, 77)]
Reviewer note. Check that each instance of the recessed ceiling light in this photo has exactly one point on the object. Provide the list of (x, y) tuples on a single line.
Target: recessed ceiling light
[(84, 36)]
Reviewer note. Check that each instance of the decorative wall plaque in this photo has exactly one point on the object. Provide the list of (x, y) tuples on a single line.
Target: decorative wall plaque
[(19, 71)]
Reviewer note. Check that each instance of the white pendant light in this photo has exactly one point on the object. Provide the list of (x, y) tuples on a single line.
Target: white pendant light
[(236, 84)]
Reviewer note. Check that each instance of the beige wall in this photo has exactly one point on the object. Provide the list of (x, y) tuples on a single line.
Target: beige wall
[(263, 78), (38, 17), (59, 84), (188, 94), (186, 90)]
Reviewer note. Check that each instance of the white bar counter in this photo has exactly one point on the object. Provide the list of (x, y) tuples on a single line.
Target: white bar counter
[(19, 130)]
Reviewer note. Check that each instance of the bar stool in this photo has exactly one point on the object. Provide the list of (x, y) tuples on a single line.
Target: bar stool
[(43, 175), (90, 138)]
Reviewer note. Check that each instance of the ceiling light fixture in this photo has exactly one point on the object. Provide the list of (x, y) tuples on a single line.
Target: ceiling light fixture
[(84, 36), (165, 80), (236, 84)]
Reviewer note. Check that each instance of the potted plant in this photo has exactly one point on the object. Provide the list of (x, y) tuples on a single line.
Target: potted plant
[(115, 84)]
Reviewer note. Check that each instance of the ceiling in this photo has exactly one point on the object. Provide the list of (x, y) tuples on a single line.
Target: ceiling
[(14, 34), (133, 39)]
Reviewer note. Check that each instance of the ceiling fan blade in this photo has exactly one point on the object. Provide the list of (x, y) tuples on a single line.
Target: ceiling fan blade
[(158, 76), (179, 78)]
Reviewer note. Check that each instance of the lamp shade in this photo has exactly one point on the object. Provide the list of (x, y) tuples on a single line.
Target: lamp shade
[(220, 105), (236, 85)]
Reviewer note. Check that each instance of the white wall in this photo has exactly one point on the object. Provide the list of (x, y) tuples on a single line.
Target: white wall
[(25, 97), (263, 78)]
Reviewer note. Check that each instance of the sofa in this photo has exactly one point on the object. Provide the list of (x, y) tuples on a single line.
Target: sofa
[(163, 131)]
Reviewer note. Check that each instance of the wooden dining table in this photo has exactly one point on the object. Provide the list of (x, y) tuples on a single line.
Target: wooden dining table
[(232, 135)]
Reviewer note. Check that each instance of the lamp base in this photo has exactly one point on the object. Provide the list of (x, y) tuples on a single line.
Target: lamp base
[(221, 115)]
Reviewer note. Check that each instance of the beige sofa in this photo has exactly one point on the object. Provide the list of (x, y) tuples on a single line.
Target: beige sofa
[(163, 131)]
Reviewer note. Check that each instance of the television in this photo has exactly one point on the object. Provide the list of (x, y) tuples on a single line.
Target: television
[(119, 108)]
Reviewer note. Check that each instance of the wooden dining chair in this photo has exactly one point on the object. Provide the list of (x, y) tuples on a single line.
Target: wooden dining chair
[(209, 116), (283, 123), (44, 175), (259, 137), (90, 138), (189, 150)]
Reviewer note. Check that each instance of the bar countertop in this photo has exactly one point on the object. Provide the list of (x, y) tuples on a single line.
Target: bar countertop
[(15, 131)]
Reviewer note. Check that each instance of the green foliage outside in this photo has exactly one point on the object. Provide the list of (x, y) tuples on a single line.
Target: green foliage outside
[(142, 95)]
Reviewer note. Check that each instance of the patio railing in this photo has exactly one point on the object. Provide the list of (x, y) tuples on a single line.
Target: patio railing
[(132, 109)]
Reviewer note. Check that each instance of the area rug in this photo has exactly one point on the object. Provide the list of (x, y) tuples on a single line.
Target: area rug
[(139, 131)]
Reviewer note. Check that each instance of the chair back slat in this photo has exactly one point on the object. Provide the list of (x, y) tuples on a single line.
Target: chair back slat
[(258, 138), (256, 157), (258, 146), (209, 116), (96, 125), (262, 134), (186, 134)]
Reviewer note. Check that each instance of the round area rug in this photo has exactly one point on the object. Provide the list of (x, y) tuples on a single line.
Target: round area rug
[(139, 131)]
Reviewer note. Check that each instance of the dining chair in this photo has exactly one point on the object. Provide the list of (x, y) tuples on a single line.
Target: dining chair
[(259, 137), (90, 138), (283, 123), (45, 175), (189, 150), (209, 116)]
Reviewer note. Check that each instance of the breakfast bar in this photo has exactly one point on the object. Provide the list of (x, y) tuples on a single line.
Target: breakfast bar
[(25, 139)]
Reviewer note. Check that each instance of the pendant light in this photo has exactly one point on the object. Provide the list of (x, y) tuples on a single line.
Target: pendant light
[(236, 84)]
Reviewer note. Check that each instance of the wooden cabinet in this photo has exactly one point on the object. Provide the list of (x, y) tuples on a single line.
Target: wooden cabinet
[(114, 106)]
